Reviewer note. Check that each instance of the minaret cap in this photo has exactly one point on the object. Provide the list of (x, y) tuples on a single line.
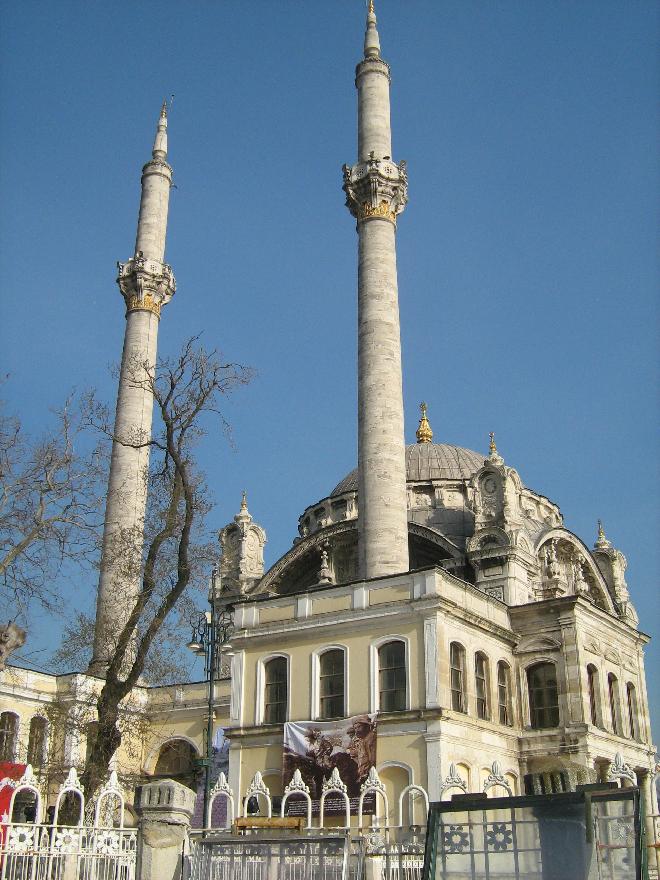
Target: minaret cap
[(160, 143), (243, 514), (424, 433), (371, 38)]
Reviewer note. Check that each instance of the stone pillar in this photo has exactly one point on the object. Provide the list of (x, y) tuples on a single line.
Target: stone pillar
[(146, 283), (376, 192), (165, 809)]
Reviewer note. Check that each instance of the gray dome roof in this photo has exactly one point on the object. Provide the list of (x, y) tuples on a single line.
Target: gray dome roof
[(428, 461)]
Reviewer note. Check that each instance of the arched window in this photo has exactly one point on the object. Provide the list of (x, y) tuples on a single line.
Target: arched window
[(392, 677), (275, 690), (176, 760), (631, 700), (481, 685), (8, 736), (457, 677), (543, 696), (613, 694), (592, 684), (504, 693), (331, 684), (36, 753)]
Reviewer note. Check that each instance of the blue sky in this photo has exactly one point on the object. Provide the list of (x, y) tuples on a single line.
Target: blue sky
[(527, 265)]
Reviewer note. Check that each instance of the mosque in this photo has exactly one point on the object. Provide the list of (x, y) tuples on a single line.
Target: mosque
[(430, 591)]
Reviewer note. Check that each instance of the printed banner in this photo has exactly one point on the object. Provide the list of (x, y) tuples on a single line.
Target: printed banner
[(317, 747)]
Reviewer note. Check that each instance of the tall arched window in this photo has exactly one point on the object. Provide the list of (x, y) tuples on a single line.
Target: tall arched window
[(481, 685), (613, 694), (275, 690), (504, 693), (631, 700), (8, 736), (331, 684), (36, 753), (592, 684), (457, 677), (543, 696), (392, 677)]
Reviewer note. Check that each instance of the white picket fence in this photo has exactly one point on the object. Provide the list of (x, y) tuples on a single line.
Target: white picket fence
[(104, 849)]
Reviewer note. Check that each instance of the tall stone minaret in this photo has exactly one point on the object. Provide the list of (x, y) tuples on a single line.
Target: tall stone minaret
[(147, 284), (376, 192)]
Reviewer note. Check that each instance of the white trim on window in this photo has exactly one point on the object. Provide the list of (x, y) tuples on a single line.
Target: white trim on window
[(315, 707), (261, 683), (373, 669)]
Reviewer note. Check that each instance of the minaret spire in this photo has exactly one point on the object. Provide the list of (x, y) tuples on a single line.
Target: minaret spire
[(147, 284), (376, 192)]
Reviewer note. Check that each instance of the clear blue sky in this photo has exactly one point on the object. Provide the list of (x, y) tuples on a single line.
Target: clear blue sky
[(527, 266)]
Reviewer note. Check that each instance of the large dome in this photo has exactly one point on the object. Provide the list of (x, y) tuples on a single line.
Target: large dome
[(426, 462)]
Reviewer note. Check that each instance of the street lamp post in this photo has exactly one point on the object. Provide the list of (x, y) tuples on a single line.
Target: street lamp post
[(211, 631)]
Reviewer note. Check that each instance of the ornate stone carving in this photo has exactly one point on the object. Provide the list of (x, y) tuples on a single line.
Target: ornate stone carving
[(145, 284), (620, 770), (497, 778), (242, 545), (296, 785), (372, 782), (257, 786), (325, 575), (453, 780), (377, 188), (11, 638), (334, 783)]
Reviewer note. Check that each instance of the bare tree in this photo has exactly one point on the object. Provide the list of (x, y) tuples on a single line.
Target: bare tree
[(176, 552), (50, 505)]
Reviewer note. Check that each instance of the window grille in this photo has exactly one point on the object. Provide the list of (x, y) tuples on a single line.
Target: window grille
[(613, 693), (504, 693), (592, 681), (631, 698)]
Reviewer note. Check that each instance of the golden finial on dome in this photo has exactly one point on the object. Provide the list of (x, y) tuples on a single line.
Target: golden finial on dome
[(601, 530), (424, 433), (244, 500), (371, 7), (492, 448)]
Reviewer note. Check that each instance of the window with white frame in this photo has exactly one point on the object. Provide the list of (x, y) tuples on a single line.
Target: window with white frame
[(457, 677), (8, 736), (332, 699), (275, 690), (392, 677), (481, 685)]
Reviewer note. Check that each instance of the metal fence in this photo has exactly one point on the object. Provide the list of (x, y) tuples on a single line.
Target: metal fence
[(66, 848)]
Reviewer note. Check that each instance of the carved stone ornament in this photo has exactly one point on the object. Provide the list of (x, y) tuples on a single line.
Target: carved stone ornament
[(221, 787), (372, 782), (145, 284), (296, 785), (377, 188), (497, 778), (620, 770), (11, 638), (257, 786), (334, 783), (71, 783), (453, 780)]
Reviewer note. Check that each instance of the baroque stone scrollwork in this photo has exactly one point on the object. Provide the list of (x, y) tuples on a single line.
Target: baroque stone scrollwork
[(453, 780), (145, 284), (620, 770), (377, 188)]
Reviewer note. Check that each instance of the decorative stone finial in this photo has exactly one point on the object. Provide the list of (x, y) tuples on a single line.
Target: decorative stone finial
[(492, 448), (244, 500), (424, 433), (163, 109), (160, 143), (601, 541)]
